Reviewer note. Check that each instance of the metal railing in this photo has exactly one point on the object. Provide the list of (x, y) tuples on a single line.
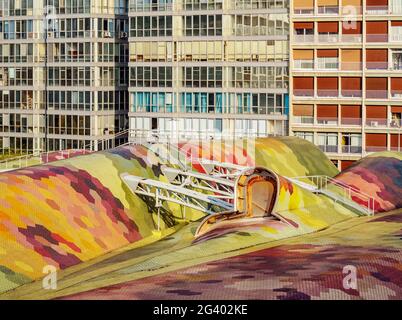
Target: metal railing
[(328, 10), (377, 37), (327, 121), (328, 148), (351, 149), (377, 65), (303, 64), (376, 148), (303, 92), (303, 38), (377, 10), (376, 94), (327, 63), (49, 156), (303, 11), (396, 94), (351, 93), (395, 37), (347, 193), (329, 37), (351, 121), (303, 119), (351, 38), (40, 158), (140, 136), (327, 92), (376, 122)]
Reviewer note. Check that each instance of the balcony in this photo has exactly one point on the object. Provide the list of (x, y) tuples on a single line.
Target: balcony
[(395, 37), (376, 122), (397, 63), (377, 10), (377, 65), (377, 37), (303, 64), (303, 11), (351, 10), (327, 121), (395, 123), (327, 64), (351, 121), (351, 66), (376, 94), (328, 10), (351, 93), (351, 149), (351, 38), (303, 92), (303, 120), (376, 148), (329, 148), (396, 94), (327, 93), (303, 38), (328, 38)]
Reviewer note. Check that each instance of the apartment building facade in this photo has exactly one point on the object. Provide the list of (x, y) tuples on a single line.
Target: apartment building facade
[(346, 76), (63, 74), (202, 68)]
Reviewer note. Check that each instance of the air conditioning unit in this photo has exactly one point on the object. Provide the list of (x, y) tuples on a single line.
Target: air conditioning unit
[(374, 123), (107, 34), (123, 35)]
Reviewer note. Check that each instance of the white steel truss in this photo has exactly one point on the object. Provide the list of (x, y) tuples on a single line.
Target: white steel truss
[(182, 195)]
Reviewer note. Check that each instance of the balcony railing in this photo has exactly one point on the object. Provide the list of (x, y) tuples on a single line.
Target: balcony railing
[(336, 38), (351, 38), (329, 148), (396, 65), (376, 122), (351, 149), (351, 93), (376, 94), (396, 94), (327, 63), (328, 38), (351, 66), (303, 38), (328, 10), (351, 10), (303, 119), (395, 123), (303, 64), (377, 10), (303, 92), (351, 121), (377, 37), (327, 121), (303, 11), (377, 65), (327, 93), (395, 37), (376, 148)]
